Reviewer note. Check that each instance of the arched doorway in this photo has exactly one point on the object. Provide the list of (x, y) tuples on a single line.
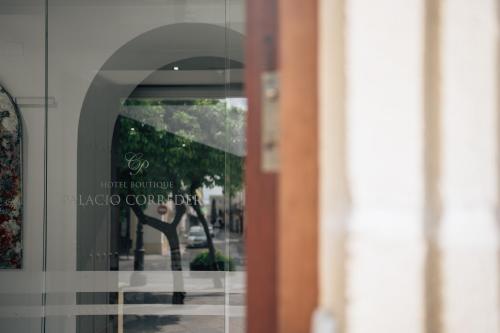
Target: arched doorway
[(175, 66)]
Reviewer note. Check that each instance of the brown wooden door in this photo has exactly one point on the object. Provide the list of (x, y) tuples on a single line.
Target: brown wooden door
[(282, 207), (261, 195)]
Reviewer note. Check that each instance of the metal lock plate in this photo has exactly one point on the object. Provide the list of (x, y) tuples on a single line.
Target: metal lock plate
[(270, 122)]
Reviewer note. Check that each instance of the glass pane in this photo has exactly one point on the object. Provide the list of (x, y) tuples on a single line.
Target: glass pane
[(145, 167)]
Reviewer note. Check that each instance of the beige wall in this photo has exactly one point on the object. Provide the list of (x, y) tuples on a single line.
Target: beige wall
[(409, 165), (155, 242)]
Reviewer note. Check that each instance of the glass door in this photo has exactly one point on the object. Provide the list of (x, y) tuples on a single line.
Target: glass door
[(145, 154)]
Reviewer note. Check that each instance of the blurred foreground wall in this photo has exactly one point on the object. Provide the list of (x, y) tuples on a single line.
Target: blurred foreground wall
[(409, 117)]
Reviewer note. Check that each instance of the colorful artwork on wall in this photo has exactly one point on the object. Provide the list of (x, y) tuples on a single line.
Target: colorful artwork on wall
[(11, 194)]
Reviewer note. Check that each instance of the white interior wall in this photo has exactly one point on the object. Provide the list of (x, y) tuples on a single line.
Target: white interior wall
[(22, 74)]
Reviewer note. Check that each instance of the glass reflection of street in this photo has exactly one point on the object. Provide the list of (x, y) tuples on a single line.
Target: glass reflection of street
[(157, 262), (229, 243)]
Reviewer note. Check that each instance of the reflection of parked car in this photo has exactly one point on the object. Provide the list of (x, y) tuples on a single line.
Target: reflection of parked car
[(196, 237)]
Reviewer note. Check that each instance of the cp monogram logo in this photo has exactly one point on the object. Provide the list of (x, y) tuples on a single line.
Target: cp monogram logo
[(136, 163)]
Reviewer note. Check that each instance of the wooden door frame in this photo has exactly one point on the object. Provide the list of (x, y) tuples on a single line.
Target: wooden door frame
[(261, 208), (282, 208)]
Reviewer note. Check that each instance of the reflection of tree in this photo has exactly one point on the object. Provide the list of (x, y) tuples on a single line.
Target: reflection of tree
[(213, 212), (172, 136)]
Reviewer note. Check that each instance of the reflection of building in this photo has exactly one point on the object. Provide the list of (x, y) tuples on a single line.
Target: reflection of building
[(217, 209), (155, 242), (236, 213), (231, 212)]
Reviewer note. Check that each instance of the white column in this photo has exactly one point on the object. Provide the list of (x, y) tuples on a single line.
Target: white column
[(469, 181), (384, 106)]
